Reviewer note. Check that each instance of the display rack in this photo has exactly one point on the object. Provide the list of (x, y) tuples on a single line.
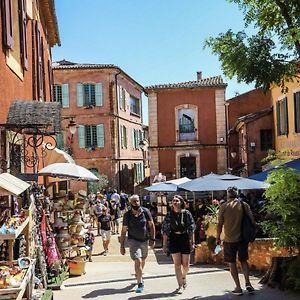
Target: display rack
[(11, 237)]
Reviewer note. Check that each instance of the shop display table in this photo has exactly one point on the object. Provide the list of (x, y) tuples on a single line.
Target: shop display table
[(26, 286)]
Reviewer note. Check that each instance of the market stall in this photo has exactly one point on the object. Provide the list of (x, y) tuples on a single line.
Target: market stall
[(16, 266), (68, 215)]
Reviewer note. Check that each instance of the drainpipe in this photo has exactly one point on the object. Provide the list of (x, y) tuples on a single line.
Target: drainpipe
[(226, 135), (118, 130), (33, 58)]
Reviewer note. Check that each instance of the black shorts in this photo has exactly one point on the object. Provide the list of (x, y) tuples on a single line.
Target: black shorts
[(179, 243), (231, 249)]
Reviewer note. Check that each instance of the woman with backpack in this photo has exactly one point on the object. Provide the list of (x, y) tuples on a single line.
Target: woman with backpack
[(178, 239)]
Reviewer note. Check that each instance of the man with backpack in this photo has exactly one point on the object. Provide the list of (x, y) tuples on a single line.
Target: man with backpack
[(231, 215), (139, 225)]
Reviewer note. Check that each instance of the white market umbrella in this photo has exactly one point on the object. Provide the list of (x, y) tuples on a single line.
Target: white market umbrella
[(168, 186), (222, 183), (68, 171)]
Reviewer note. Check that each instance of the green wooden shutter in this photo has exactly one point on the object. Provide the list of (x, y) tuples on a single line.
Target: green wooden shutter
[(133, 139), (81, 136), (125, 137), (286, 117), (65, 95), (278, 117), (100, 135), (297, 111), (79, 89), (99, 94)]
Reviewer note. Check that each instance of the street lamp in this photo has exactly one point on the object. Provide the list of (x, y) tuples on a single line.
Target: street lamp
[(72, 126)]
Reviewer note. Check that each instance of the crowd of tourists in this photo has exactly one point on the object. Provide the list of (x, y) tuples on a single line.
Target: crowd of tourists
[(180, 231)]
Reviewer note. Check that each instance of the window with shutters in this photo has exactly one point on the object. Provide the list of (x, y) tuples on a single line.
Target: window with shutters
[(135, 106), (282, 117), (61, 94), (266, 139), (122, 98), (15, 35), (57, 93), (89, 95), (297, 111), (123, 136), (90, 136)]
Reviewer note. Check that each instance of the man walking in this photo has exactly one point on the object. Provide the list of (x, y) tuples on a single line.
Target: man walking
[(230, 216), (139, 225)]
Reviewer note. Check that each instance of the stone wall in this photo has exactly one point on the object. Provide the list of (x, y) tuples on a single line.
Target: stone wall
[(260, 254)]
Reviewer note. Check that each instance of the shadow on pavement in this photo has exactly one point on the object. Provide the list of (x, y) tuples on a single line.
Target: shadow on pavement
[(154, 296), (111, 291)]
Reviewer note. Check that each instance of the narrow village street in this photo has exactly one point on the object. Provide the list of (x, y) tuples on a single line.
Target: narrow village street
[(112, 277)]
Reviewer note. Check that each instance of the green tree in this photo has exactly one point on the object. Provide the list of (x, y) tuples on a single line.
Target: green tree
[(269, 55), (99, 185), (283, 203)]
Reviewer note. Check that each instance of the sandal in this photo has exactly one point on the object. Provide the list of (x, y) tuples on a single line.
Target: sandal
[(237, 292)]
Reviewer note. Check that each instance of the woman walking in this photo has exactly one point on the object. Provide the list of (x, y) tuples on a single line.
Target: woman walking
[(178, 238)]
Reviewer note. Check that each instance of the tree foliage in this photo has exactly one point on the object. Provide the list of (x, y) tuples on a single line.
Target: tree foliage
[(283, 204), (269, 55)]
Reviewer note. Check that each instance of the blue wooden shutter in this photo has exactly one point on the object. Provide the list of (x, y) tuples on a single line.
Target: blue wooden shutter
[(100, 135), (99, 94), (79, 89), (59, 140), (81, 136), (65, 95)]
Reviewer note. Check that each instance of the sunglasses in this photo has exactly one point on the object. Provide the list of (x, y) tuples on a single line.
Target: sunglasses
[(176, 200)]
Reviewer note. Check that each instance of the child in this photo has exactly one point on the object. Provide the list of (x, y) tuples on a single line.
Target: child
[(89, 241)]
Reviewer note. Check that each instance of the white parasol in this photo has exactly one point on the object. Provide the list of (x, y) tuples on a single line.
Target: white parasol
[(68, 171)]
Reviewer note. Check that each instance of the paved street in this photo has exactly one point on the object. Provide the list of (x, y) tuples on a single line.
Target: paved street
[(111, 277)]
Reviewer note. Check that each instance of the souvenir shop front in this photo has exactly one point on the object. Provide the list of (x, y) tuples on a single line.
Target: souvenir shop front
[(42, 238)]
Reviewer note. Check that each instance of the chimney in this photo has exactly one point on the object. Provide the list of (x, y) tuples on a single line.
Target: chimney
[(199, 75)]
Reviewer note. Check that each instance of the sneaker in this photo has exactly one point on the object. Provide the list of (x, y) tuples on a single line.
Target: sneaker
[(250, 289), (140, 288), (180, 290), (184, 283), (237, 292), (105, 252)]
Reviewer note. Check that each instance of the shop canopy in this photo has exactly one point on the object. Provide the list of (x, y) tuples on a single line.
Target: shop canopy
[(11, 185), (215, 182), (262, 176), (168, 186)]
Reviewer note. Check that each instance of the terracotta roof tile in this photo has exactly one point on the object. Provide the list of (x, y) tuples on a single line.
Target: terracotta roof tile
[(215, 81)]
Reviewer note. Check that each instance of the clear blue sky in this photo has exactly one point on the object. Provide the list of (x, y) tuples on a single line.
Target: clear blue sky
[(154, 41)]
